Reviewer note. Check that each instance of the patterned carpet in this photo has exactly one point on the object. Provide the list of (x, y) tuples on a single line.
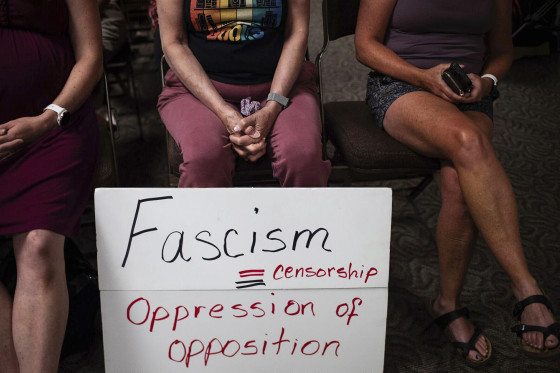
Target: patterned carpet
[(527, 141)]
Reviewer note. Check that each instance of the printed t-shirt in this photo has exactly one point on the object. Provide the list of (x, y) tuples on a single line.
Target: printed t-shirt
[(236, 41)]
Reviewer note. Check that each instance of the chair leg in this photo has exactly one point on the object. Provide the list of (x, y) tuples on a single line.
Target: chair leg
[(110, 129), (132, 87), (420, 187)]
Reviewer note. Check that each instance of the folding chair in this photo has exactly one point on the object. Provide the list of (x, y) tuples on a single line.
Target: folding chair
[(107, 174), (119, 71), (137, 20), (362, 150)]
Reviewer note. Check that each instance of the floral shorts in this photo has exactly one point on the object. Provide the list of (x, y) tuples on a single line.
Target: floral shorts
[(383, 90)]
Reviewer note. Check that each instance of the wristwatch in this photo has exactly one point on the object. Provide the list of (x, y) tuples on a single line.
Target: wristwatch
[(491, 77), (63, 116), (284, 101)]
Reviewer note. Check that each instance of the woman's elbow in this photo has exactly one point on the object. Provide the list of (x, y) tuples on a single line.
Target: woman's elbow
[(91, 65), (98, 70), (360, 49), (96, 64)]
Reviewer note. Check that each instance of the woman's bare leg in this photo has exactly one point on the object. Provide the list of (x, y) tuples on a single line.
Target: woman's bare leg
[(8, 359), (40, 307), (455, 235), (437, 128)]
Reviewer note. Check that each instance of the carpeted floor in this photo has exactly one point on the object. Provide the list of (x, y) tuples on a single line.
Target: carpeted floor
[(527, 141)]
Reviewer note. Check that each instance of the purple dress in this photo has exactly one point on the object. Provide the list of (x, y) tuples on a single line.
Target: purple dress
[(45, 185)]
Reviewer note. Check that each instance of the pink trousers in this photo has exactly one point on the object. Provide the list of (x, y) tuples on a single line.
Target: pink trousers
[(294, 143)]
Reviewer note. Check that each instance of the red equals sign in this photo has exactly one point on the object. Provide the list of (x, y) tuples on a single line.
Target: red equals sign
[(251, 273), (250, 283)]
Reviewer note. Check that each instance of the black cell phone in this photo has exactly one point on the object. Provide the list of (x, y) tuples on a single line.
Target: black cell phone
[(457, 79)]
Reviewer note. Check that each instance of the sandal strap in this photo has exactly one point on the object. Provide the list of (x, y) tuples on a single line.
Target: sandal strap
[(466, 347), (520, 306), (555, 329), (552, 329), (445, 319)]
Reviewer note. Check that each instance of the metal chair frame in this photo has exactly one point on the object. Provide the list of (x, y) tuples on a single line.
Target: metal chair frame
[(112, 128), (122, 64), (137, 20)]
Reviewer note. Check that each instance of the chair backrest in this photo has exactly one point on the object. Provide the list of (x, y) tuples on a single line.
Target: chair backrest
[(136, 14), (341, 16), (362, 151), (339, 20)]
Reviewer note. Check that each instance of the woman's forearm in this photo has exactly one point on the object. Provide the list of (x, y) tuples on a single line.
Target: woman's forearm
[(378, 57), (293, 50), (189, 71), (183, 62), (289, 65), (295, 44), (85, 35), (499, 43)]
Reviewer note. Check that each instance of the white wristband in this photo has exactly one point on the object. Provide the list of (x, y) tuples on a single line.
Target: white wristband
[(494, 79)]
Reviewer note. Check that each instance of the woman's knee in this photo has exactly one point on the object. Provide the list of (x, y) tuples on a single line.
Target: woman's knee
[(469, 146), (301, 166), (207, 169), (40, 256), (213, 159)]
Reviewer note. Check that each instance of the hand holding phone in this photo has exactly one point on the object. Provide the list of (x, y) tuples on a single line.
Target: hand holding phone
[(457, 79)]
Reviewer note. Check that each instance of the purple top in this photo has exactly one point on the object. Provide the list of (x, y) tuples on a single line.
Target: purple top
[(46, 184), (429, 32)]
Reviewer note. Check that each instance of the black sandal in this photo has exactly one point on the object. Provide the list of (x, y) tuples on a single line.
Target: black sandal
[(463, 348), (520, 329)]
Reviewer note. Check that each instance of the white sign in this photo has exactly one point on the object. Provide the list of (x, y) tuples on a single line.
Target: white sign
[(214, 280)]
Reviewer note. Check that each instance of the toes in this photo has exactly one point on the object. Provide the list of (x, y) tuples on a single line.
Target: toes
[(551, 342), (481, 346), (474, 355), (534, 339)]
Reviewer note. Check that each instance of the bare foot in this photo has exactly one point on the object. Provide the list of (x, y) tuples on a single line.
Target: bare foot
[(462, 330), (535, 314)]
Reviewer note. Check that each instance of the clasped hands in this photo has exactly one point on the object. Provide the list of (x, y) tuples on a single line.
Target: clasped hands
[(248, 135)]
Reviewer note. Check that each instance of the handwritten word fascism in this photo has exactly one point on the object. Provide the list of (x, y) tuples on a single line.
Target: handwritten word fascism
[(178, 245)]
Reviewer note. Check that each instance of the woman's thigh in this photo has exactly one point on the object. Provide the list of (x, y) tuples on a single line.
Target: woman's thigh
[(431, 125), (298, 127), (299, 124), (195, 128)]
